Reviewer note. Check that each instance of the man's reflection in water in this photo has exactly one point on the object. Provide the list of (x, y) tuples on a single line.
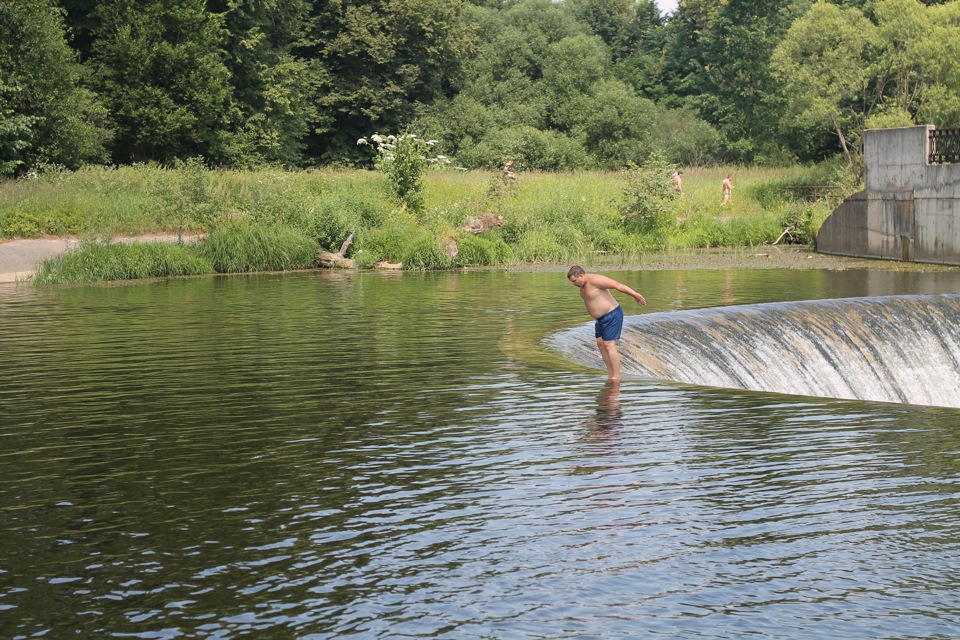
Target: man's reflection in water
[(609, 416), (600, 440)]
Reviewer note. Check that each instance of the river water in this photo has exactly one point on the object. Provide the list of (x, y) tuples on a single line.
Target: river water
[(329, 455)]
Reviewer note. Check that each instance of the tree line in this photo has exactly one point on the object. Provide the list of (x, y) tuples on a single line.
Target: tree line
[(553, 85)]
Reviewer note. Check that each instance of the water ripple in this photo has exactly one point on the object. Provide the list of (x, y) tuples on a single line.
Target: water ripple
[(239, 471)]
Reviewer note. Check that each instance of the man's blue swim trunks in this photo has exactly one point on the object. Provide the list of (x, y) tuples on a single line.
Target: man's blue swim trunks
[(610, 324)]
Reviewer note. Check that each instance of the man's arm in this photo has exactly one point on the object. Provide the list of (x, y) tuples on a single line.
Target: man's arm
[(603, 282)]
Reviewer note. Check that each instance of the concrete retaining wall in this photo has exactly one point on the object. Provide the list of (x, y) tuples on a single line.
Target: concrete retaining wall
[(908, 209)]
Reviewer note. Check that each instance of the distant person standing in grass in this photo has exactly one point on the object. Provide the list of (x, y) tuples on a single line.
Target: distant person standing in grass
[(678, 182), (509, 175), (595, 291), (727, 188)]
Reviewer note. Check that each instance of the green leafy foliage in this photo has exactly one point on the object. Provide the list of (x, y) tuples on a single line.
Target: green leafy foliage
[(555, 86), (47, 113), (187, 198), (648, 199), (15, 129), (375, 63), (801, 223), (272, 87), (160, 68)]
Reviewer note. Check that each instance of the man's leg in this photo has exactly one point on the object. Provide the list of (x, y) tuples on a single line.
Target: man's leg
[(602, 346), (611, 357)]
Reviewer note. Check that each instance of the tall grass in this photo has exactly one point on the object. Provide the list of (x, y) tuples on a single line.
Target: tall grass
[(103, 261), (547, 217), (241, 248)]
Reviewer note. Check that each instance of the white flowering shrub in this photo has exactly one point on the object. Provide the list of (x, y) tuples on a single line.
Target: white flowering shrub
[(404, 159)]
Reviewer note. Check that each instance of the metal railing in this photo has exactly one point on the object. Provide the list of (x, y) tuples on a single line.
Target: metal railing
[(814, 193), (944, 146)]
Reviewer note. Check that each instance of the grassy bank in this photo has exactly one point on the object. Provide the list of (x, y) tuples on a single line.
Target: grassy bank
[(266, 220)]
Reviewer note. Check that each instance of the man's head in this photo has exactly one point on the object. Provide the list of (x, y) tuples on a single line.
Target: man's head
[(575, 275)]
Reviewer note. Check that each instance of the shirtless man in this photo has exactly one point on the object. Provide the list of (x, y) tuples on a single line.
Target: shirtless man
[(595, 291), (727, 188)]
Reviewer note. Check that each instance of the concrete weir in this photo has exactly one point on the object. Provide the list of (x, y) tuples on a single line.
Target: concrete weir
[(901, 349), (908, 209)]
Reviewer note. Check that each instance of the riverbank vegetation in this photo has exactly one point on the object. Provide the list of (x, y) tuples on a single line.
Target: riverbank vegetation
[(555, 86), (273, 220), (240, 121)]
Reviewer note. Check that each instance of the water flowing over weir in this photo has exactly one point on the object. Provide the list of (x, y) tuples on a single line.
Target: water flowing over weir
[(903, 349)]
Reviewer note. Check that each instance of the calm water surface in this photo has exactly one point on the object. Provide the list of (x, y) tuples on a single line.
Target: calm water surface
[(401, 456)]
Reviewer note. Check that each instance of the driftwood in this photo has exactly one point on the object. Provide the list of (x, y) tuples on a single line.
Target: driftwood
[(339, 259), (386, 266), (785, 232)]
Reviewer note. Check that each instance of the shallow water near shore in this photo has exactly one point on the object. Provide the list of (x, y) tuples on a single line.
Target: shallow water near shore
[(330, 455)]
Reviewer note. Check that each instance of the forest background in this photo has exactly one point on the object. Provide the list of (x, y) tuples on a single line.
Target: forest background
[(577, 85)]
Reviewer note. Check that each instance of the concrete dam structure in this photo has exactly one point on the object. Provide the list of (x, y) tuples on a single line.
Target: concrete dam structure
[(901, 349), (909, 209)]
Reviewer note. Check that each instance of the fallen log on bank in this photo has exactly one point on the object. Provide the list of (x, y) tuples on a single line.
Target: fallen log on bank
[(339, 259)]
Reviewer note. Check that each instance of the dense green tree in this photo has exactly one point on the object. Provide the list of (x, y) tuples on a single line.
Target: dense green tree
[(617, 125), (272, 89), (738, 91), (552, 84), (160, 68), (684, 63), (47, 114), (505, 74), (550, 95), (828, 63), (80, 17), (626, 26), (377, 62), (570, 70), (637, 60), (14, 131), (940, 52), (918, 67), (845, 72)]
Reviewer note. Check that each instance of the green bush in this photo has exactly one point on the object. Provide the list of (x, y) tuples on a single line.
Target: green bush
[(404, 160), (425, 253), (648, 200), (476, 251), (389, 242), (804, 221), (68, 218), (241, 248), (21, 224), (187, 199)]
